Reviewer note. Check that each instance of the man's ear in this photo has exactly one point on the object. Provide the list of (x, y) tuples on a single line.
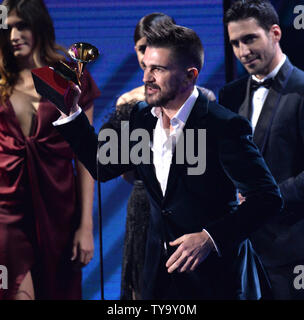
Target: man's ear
[(276, 32), (192, 74)]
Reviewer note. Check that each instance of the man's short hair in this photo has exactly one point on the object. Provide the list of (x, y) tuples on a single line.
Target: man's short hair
[(262, 10), (185, 44)]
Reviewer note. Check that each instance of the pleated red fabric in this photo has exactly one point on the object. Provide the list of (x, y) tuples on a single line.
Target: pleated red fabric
[(38, 202)]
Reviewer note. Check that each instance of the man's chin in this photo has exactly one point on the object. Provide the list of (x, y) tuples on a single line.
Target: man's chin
[(256, 72), (150, 100), (253, 68)]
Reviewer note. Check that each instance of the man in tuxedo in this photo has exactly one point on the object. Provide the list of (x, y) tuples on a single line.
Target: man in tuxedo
[(272, 98), (197, 245)]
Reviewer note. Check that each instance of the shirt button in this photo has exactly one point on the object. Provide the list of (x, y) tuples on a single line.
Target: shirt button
[(174, 122)]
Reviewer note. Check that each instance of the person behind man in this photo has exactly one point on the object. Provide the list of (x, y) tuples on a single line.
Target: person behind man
[(272, 97), (197, 245)]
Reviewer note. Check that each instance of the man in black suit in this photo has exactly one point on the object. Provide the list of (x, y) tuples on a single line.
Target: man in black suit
[(272, 98), (197, 245)]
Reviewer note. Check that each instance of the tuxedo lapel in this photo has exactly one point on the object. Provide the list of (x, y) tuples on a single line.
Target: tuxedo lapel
[(263, 123), (245, 108), (196, 120), (270, 106)]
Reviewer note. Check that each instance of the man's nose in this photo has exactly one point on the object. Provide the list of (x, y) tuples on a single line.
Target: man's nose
[(148, 77), (244, 50)]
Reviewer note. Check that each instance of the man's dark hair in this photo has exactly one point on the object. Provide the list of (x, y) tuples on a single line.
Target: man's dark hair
[(185, 44), (261, 10)]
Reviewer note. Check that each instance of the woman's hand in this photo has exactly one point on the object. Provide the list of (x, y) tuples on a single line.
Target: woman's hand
[(83, 246)]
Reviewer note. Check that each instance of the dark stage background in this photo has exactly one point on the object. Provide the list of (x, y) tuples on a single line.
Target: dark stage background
[(109, 25)]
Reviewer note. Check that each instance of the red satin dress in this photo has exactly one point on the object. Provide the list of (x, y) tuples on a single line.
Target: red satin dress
[(38, 202)]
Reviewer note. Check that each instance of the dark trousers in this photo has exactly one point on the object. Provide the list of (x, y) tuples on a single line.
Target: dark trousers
[(202, 285)]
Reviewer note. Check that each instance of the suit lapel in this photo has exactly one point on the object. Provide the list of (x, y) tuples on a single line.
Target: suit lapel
[(245, 107), (148, 169), (196, 120), (265, 117), (270, 106)]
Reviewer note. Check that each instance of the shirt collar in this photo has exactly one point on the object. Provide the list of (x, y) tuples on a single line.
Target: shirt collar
[(273, 73), (183, 112)]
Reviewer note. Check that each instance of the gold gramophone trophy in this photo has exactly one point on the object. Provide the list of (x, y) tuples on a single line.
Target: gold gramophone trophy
[(54, 83)]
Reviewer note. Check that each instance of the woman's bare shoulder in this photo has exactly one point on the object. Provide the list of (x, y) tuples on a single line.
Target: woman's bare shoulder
[(133, 96)]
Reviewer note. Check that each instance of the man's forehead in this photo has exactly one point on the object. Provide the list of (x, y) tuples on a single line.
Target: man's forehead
[(246, 23), (158, 50), (156, 54), (243, 27)]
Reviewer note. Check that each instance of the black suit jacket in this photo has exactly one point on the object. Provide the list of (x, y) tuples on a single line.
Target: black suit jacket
[(279, 134), (192, 203)]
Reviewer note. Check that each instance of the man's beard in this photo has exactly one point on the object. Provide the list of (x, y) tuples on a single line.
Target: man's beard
[(161, 99)]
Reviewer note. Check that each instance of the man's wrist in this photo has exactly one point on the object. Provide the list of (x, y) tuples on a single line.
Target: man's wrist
[(74, 109), (212, 243), (66, 119)]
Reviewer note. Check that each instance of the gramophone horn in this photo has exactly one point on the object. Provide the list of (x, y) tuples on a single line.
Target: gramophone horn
[(82, 53)]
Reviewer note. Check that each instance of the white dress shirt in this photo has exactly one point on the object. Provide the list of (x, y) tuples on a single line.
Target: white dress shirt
[(164, 141), (260, 95)]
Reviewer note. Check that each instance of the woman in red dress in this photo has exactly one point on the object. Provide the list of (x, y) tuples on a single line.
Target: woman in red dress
[(45, 208)]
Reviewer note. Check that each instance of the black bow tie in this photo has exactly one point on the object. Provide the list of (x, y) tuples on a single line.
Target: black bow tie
[(255, 85)]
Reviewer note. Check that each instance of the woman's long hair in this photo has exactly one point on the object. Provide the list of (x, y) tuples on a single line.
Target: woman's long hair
[(35, 14)]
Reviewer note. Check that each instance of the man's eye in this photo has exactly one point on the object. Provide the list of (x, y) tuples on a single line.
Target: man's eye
[(142, 48), (249, 40), (234, 43)]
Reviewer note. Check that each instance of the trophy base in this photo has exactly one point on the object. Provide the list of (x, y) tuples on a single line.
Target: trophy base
[(52, 86)]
